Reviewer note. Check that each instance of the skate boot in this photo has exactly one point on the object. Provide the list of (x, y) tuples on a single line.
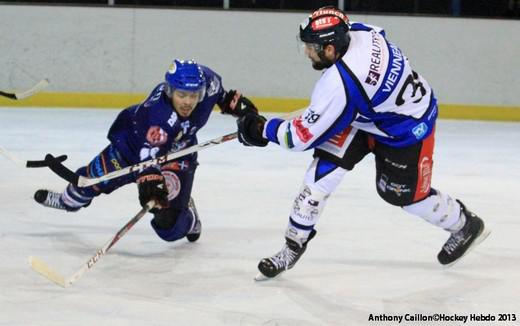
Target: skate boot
[(461, 242), (52, 199), (194, 234), (286, 258)]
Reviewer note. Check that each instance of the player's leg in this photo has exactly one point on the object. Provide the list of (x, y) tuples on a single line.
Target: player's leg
[(403, 179), (321, 179), (181, 218), (73, 197)]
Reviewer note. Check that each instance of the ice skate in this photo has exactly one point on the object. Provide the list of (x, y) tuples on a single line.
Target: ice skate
[(50, 199), (53, 200), (461, 242), (194, 234), (285, 259)]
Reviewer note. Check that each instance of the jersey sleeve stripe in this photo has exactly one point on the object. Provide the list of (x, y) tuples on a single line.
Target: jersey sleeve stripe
[(271, 130)]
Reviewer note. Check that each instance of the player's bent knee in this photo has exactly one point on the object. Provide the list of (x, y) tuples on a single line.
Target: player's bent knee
[(394, 198), (172, 224)]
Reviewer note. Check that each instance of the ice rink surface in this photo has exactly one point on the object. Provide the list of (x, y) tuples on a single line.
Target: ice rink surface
[(367, 258)]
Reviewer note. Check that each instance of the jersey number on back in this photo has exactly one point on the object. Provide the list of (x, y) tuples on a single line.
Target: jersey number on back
[(416, 97)]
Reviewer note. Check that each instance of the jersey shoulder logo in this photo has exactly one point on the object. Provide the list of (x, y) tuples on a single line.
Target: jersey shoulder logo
[(420, 130), (214, 86)]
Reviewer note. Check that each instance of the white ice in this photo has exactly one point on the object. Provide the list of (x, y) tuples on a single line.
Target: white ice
[(368, 257)]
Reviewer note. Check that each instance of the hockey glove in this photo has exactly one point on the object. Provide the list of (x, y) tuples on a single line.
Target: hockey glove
[(151, 186), (236, 104), (250, 128)]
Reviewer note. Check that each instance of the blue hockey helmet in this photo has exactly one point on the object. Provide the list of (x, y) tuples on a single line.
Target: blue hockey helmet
[(185, 75), (326, 25)]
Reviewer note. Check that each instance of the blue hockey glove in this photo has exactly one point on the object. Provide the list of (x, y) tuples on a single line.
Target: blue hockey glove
[(250, 128)]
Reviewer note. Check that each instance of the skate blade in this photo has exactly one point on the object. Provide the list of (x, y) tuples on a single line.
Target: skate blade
[(475, 243), (262, 278)]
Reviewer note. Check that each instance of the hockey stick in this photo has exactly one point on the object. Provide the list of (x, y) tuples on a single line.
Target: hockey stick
[(22, 163), (30, 92), (61, 170), (11, 157), (38, 265)]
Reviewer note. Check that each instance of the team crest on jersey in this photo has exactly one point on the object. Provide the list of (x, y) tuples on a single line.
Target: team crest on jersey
[(156, 136)]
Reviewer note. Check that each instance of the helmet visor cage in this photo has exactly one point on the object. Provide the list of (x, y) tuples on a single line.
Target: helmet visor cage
[(305, 47)]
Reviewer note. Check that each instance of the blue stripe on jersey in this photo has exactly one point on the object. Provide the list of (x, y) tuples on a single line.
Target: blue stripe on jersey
[(323, 168), (407, 130), (271, 131), (360, 27), (393, 75), (355, 101), (364, 28)]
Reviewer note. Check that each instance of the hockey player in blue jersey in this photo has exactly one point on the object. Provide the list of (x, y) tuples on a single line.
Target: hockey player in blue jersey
[(168, 120), (368, 100)]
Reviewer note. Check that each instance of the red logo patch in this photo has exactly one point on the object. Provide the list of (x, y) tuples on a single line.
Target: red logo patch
[(325, 22), (156, 136), (425, 175), (303, 133), (339, 139)]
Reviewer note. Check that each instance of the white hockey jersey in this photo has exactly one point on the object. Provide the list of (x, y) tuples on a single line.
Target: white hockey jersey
[(372, 88)]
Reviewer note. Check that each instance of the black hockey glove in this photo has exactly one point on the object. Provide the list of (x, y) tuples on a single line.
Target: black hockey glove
[(152, 186), (236, 104), (250, 128)]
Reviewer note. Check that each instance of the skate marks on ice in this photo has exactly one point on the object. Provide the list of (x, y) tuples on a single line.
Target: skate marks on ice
[(321, 301)]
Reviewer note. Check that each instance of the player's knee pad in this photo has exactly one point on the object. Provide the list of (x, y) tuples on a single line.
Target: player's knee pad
[(307, 207), (172, 224), (438, 209)]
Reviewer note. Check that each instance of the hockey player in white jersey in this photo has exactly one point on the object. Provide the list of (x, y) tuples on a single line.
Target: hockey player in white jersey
[(368, 100)]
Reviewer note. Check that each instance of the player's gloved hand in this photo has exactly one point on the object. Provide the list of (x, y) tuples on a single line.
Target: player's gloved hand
[(236, 104), (152, 186), (250, 128)]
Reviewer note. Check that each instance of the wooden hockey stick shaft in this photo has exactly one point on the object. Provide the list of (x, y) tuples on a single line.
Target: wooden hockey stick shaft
[(39, 266), (82, 181), (42, 84)]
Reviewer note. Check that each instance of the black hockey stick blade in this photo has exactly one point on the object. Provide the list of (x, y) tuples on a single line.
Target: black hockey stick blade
[(54, 163), (61, 170), (12, 96), (43, 163)]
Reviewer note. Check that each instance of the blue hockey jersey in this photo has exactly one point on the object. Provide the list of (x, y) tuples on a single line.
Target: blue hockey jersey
[(153, 128)]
